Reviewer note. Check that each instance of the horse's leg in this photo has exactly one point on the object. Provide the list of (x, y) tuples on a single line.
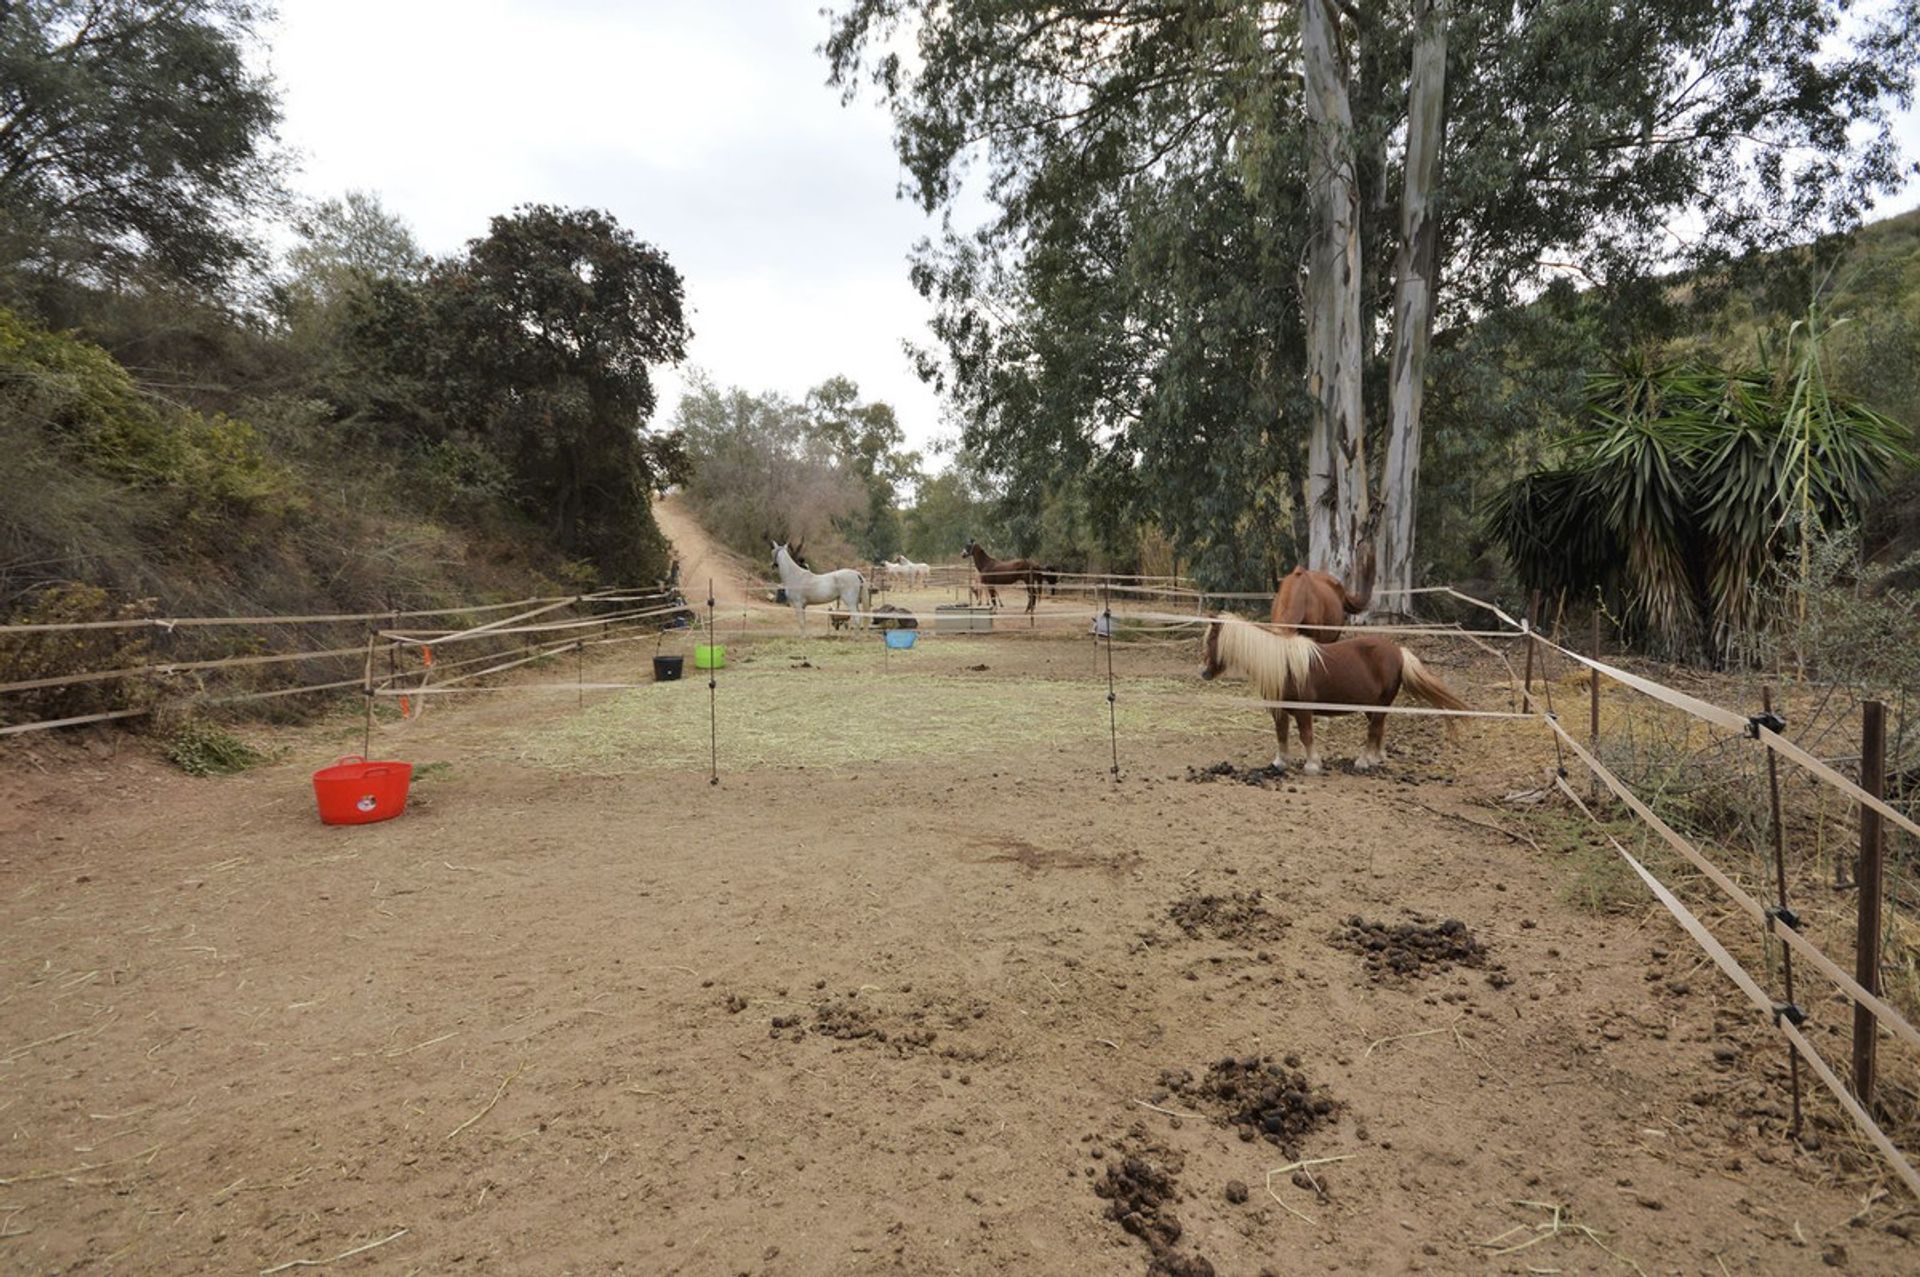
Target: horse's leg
[(1305, 719), (1280, 731), (1375, 753)]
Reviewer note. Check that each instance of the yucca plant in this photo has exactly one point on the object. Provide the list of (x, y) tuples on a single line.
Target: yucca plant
[(1689, 483)]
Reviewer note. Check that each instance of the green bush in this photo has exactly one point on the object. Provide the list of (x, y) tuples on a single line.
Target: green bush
[(201, 747), (53, 654), (212, 468)]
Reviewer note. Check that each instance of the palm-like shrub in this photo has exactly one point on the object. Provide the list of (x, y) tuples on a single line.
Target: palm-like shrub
[(1689, 483)]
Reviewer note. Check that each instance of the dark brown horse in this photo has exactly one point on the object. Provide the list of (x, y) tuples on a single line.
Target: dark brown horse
[(997, 572), (1291, 667), (1317, 604)]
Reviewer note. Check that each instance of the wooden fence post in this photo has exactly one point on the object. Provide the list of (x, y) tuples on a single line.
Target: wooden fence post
[(1866, 936)]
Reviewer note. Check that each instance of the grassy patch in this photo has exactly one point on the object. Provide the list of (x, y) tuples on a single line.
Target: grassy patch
[(202, 747), (778, 717), (1598, 880)]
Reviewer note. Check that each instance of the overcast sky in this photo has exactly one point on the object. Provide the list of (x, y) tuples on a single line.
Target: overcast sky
[(704, 126)]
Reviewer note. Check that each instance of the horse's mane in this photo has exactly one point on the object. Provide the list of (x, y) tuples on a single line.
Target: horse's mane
[(1270, 661)]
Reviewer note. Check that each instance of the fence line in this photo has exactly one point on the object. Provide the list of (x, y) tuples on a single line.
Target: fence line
[(1777, 1015), (189, 622), (500, 628)]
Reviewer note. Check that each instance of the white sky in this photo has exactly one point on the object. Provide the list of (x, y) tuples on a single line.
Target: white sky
[(705, 126)]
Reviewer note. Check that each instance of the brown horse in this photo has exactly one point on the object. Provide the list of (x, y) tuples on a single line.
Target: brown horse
[(1291, 667), (996, 572), (1317, 604)]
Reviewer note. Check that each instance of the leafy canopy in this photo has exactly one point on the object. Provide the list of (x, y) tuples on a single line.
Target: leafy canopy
[(134, 138), (537, 340), (1129, 318)]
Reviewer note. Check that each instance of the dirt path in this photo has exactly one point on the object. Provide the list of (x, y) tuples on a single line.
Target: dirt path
[(701, 559), (900, 1014)]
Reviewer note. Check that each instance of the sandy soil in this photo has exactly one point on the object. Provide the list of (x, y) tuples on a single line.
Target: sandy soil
[(886, 1017)]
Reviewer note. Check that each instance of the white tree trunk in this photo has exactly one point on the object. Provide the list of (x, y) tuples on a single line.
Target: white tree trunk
[(1414, 286), (1336, 451)]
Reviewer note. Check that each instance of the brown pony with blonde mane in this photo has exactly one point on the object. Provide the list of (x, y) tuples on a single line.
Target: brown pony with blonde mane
[(1292, 667), (1317, 604)]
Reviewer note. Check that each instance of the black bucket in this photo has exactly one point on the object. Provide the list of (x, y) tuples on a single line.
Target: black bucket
[(666, 669)]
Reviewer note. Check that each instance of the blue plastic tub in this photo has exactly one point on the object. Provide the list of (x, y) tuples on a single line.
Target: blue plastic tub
[(901, 638)]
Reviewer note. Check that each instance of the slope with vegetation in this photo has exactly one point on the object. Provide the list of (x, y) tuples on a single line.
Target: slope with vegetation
[(196, 426)]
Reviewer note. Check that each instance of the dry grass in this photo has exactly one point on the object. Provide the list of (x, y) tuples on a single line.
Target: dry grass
[(771, 715)]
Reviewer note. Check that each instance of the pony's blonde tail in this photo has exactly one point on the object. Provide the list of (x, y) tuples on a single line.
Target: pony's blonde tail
[(1416, 678)]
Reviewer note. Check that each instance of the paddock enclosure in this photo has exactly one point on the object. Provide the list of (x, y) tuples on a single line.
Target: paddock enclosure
[(919, 986)]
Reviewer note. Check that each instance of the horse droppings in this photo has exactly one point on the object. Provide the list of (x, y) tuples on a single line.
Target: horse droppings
[(1408, 950)]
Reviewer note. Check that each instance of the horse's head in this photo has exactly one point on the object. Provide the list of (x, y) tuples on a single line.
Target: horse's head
[(1210, 663), (791, 550), (970, 548)]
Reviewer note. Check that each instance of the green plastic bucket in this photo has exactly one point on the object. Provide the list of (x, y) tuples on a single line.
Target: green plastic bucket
[(709, 656)]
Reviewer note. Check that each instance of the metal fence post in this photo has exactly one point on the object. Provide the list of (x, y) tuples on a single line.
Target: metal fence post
[(1866, 936)]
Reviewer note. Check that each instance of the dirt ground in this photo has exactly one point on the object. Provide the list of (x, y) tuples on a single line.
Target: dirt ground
[(918, 987), (985, 1011)]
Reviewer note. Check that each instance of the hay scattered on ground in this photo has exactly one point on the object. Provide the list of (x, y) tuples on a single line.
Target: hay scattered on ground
[(780, 717)]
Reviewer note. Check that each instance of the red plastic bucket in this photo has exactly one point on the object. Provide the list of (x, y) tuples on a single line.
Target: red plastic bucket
[(356, 792)]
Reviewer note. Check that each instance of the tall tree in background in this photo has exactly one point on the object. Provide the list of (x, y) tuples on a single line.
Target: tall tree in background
[(134, 139), (869, 442), (346, 242), (539, 339), (345, 247), (564, 310), (1336, 447), (1580, 137), (1413, 293)]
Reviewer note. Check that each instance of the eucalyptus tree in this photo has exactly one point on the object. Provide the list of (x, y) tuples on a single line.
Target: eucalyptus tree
[(1482, 151)]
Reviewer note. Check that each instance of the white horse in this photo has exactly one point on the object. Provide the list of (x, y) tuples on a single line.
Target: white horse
[(845, 586), (916, 574)]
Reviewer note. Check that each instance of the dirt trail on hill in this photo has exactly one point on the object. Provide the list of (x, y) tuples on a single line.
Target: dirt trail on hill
[(701, 558)]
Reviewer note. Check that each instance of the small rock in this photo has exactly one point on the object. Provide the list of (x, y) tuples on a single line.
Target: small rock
[(1236, 1192)]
